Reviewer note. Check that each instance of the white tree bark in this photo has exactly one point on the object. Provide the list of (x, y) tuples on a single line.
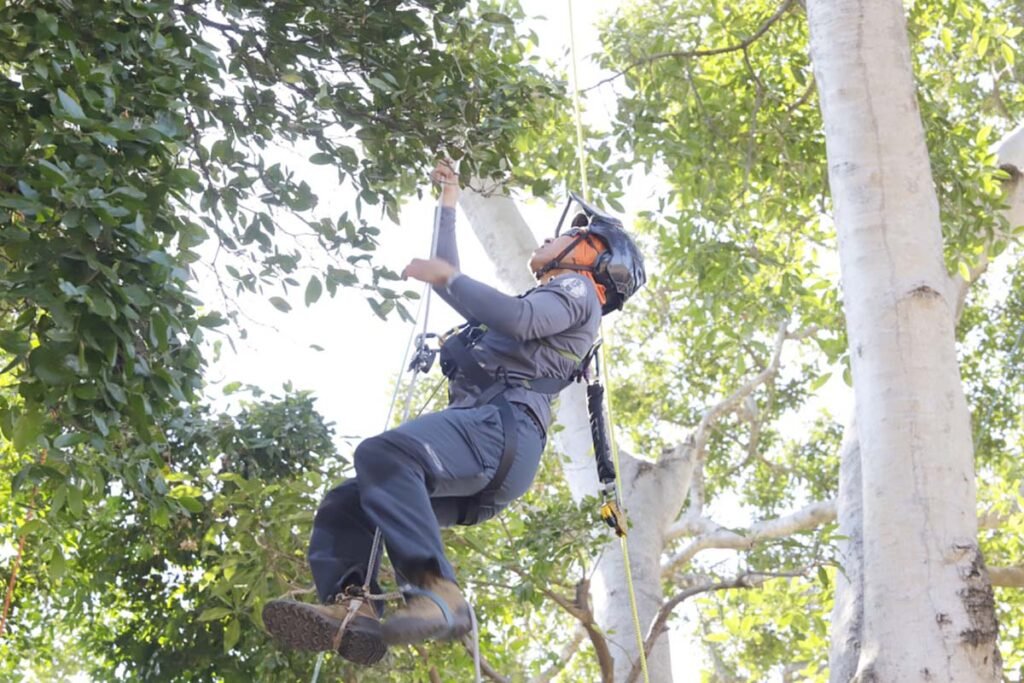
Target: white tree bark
[(928, 605), (848, 607), (652, 492)]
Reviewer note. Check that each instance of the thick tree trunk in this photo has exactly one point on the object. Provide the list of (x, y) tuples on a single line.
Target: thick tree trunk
[(649, 489), (928, 605)]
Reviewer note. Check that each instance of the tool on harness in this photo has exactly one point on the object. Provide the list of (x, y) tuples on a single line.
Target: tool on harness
[(423, 357), (599, 422), (609, 510), (612, 514)]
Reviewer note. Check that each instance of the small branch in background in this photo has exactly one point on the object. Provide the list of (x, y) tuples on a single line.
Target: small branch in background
[(435, 677), (802, 100), (717, 411), (805, 519), (708, 52), (1007, 577), (581, 613), (660, 623), (485, 668), (564, 657)]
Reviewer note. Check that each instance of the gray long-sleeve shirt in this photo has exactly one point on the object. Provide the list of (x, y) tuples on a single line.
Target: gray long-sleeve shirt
[(525, 334)]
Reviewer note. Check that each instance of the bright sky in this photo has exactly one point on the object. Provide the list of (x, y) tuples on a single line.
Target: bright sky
[(353, 376)]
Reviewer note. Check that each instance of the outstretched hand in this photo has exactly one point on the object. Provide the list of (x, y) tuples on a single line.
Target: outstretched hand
[(434, 271)]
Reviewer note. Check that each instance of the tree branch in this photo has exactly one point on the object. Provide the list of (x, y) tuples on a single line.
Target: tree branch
[(1011, 160), (485, 668), (1007, 577), (810, 517), (660, 623), (564, 657), (710, 52), (715, 412), (578, 609)]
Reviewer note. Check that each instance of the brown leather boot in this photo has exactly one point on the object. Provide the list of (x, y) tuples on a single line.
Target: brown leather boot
[(434, 610), (317, 628)]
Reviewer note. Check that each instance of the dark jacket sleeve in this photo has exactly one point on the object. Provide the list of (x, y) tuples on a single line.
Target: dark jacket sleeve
[(545, 311), (447, 248)]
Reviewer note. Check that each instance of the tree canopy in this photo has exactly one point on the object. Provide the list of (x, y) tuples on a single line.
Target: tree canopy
[(141, 140)]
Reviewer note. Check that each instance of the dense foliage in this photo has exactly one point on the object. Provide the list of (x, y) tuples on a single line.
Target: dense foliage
[(139, 140)]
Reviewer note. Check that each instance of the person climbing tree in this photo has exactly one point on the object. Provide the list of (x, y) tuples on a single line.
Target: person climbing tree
[(464, 464)]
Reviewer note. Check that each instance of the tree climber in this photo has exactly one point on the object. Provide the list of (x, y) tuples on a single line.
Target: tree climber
[(464, 464)]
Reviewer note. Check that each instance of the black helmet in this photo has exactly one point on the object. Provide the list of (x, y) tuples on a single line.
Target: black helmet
[(620, 268)]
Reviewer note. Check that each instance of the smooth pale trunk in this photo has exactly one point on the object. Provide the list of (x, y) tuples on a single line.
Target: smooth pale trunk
[(928, 607), (499, 226), (848, 608)]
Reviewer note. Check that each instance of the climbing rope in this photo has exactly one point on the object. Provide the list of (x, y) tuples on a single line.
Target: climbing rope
[(582, 155)]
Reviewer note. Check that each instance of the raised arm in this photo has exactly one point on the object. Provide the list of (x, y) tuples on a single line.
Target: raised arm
[(543, 312), (447, 247)]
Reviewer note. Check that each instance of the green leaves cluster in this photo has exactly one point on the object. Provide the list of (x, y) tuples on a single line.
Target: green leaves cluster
[(134, 132)]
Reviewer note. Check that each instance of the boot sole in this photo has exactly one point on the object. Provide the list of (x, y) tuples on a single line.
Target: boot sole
[(301, 627), (407, 630)]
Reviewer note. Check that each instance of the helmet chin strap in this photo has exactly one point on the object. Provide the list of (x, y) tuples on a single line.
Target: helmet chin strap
[(556, 262)]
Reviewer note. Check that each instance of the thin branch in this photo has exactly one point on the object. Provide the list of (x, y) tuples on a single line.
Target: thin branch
[(802, 100), (564, 657), (1013, 188), (485, 668), (435, 677), (710, 52), (810, 517), (660, 623), (714, 413), (1007, 577), (580, 612)]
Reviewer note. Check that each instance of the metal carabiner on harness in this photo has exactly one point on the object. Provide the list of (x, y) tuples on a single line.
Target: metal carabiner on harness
[(423, 358)]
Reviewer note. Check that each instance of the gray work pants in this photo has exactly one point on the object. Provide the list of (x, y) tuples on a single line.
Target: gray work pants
[(410, 481)]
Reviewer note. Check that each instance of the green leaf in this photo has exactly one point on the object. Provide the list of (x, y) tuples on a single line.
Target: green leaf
[(280, 304), (313, 290), (190, 504), (75, 500), (57, 564), (321, 159), (214, 613), (496, 18), (70, 439), (70, 105), (232, 633), (27, 429), (823, 577)]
